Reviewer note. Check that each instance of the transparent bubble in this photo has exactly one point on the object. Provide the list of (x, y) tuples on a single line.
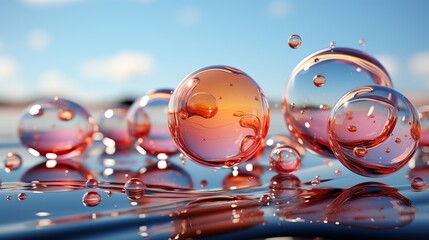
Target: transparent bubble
[(56, 128), (265, 200), (91, 199), (319, 80), (91, 183), (332, 45), (377, 113), (418, 183), (166, 175), (302, 100), (362, 42), (12, 161), (294, 41), (152, 134), (338, 172), (285, 159), (134, 188), (113, 125), (22, 196), (278, 140), (285, 186), (203, 183), (424, 120), (218, 116)]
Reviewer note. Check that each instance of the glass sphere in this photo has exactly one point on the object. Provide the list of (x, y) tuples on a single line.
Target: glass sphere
[(148, 123), (56, 128), (374, 130), (316, 84), (218, 116), (113, 126)]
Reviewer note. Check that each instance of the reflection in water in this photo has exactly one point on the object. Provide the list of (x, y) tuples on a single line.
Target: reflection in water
[(57, 171), (164, 174), (366, 205), (239, 179), (285, 186), (216, 215)]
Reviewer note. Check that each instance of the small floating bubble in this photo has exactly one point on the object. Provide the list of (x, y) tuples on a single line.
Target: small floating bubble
[(9, 198), (265, 200), (362, 42), (338, 172), (418, 183), (203, 183), (294, 41), (319, 80), (202, 104), (91, 199), (12, 161), (22, 196), (332, 44), (91, 183), (134, 188), (285, 159)]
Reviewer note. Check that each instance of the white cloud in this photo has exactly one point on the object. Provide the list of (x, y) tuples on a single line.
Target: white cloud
[(38, 40), (391, 64), (125, 65), (189, 16), (419, 64), (44, 3), (54, 83), (278, 8), (8, 68)]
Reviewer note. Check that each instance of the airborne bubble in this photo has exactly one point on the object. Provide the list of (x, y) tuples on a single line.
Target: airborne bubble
[(294, 41)]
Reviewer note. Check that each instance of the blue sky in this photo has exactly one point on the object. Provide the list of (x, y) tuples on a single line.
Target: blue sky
[(102, 51)]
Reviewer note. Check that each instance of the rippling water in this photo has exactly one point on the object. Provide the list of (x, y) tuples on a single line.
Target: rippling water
[(184, 200)]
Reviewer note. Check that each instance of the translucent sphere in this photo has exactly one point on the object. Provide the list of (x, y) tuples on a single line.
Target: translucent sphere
[(152, 134), (317, 83), (166, 175), (56, 128), (91, 199), (386, 130), (113, 125), (91, 183), (294, 41), (424, 120), (418, 183), (12, 161), (285, 159), (134, 188), (218, 116)]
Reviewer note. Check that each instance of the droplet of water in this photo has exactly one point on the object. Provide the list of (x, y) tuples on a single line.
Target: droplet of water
[(202, 104), (12, 161), (387, 150), (236, 125), (362, 42), (9, 198), (203, 183), (337, 172), (91, 183), (134, 188), (294, 41), (319, 80), (360, 152), (265, 200), (22, 196), (64, 130), (397, 140), (352, 128), (418, 183), (91, 199), (65, 114), (285, 159), (332, 45)]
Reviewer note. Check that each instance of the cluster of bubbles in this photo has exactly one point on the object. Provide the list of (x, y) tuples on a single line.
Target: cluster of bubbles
[(219, 117)]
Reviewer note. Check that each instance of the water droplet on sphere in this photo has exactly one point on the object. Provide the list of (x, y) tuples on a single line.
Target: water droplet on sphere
[(65, 114), (332, 45), (397, 140), (352, 128), (202, 104), (319, 80), (265, 200), (360, 152), (294, 41), (134, 188)]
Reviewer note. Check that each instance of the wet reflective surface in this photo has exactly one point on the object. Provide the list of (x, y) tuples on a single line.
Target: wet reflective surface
[(46, 199)]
